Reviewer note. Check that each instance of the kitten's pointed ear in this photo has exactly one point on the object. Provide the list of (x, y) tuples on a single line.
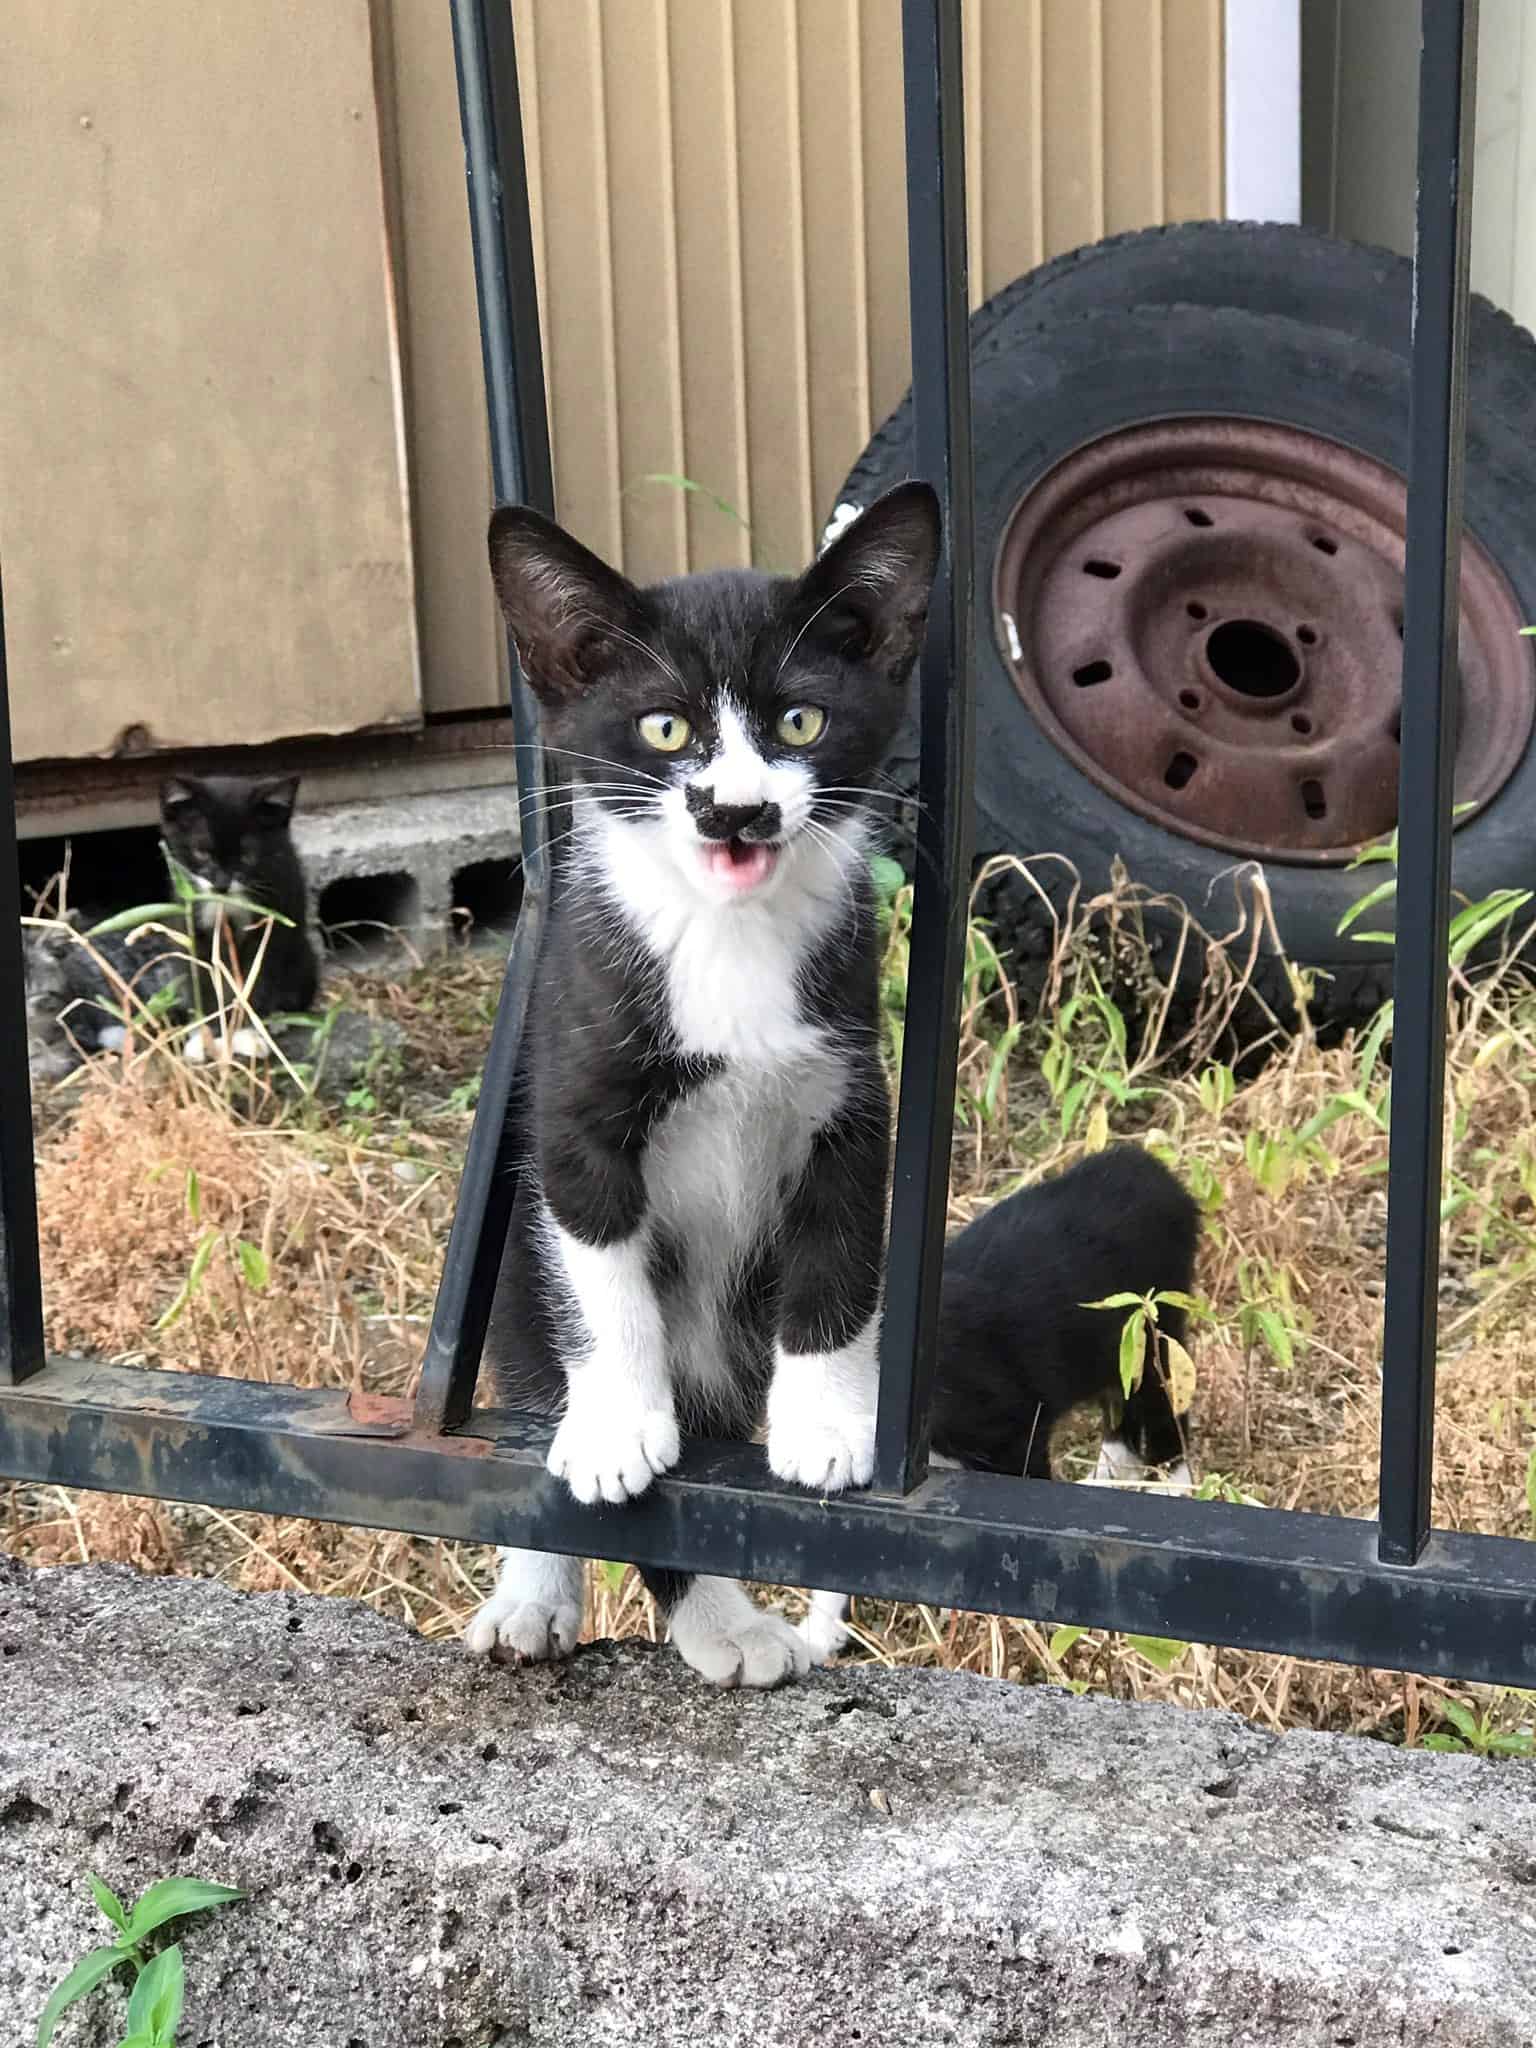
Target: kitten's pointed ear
[(178, 796), (566, 610), (867, 596), (276, 799)]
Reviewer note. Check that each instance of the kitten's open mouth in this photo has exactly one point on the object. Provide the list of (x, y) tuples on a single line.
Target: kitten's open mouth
[(742, 864)]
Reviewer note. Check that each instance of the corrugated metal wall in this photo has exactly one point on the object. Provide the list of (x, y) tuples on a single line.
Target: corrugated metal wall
[(719, 202)]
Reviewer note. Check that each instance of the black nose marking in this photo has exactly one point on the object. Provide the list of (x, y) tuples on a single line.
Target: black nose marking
[(759, 821)]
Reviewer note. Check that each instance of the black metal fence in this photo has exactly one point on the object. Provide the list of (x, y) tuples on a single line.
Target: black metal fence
[(1394, 1592)]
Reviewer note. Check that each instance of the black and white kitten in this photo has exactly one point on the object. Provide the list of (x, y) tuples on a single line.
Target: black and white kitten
[(74, 988), (698, 1235), (231, 835), (1018, 1348)]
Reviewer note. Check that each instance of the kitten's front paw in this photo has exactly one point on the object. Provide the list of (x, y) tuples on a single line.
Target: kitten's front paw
[(521, 1631), (194, 1048), (827, 1453), (246, 1044), (611, 1455), (764, 1650)]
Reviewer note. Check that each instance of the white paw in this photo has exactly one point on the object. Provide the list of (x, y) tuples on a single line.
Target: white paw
[(603, 1455), (764, 1651), (195, 1050), (1118, 1465), (111, 1037), (246, 1044), (1180, 1478), (824, 1452), (823, 1630), (523, 1631)]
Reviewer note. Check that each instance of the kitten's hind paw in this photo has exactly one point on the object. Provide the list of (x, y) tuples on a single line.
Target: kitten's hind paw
[(517, 1631), (826, 1636), (603, 1456), (722, 1636)]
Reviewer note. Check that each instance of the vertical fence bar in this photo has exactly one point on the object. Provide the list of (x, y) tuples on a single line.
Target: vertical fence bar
[(941, 401), (1431, 686), (21, 1289), (506, 292)]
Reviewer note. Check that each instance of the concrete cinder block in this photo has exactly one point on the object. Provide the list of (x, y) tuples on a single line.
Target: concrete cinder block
[(449, 1855), (429, 839)]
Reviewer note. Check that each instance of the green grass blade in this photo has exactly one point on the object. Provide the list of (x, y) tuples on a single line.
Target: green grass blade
[(84, 1977)]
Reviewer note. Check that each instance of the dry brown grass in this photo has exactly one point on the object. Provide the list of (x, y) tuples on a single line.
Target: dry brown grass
[(350, 1210)]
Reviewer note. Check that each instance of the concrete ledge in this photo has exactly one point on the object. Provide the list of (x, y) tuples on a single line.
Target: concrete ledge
[(444, 1855)]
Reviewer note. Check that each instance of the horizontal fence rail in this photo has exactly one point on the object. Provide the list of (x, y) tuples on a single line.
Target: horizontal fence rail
[(1393, 1592)]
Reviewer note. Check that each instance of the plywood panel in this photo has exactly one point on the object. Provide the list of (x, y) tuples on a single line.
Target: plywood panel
[(202, 517)]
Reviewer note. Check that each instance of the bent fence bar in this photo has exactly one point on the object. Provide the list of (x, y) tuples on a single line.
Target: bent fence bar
[(1395, 1592)]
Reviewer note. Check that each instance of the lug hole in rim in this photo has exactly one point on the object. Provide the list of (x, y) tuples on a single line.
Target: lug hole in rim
[(1307, 635), (1190, 699), (1313, 800), (1180, 770), (1197, 611), (1301, 723), (1325, 545)]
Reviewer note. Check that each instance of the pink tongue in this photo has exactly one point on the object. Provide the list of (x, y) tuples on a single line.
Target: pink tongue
[(739, 865)]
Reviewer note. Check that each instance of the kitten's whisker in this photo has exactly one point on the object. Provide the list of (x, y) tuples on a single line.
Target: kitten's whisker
[(633, 639), (851, 584), (607, 761)]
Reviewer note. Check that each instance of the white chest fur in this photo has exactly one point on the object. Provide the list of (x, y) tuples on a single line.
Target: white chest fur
[(721, 1164)]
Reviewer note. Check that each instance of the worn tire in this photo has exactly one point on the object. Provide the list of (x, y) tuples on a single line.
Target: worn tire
[(1247, 266), (1041, 395)]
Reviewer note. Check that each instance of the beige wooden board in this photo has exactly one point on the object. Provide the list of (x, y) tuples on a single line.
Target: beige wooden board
[(202, 516)]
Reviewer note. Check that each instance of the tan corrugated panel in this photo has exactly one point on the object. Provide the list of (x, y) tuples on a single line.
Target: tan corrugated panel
[(720, 223), (1193, 109), (574, 109), (768, 170), (836, 310), (461, 645), (711, 340)]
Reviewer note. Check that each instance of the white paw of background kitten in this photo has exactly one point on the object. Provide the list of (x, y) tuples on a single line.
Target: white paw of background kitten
[(534, 1615), (612, 1452), (719, 1633)]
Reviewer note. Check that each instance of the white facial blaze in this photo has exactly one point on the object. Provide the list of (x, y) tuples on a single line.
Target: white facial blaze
[(737, 774)]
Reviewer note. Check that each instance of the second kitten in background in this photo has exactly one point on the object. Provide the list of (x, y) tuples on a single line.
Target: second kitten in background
[(232, 836)]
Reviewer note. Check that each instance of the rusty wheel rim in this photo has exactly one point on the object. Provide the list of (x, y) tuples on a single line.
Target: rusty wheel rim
[(1206, 617)]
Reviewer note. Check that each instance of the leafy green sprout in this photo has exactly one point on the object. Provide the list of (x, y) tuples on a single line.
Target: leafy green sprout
[(1471, 926), (154, 2007), (1177, 1366), (247, 1259)]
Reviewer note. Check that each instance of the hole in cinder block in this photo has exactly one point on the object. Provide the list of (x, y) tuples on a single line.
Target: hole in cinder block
[(487, 896), (107, 871), (361, 915)]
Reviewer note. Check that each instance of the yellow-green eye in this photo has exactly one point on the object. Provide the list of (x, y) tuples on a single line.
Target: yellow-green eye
[(664, 731), (801, 725)]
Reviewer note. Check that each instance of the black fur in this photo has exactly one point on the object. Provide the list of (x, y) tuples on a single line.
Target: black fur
[(1017, 1348), (232, 833)]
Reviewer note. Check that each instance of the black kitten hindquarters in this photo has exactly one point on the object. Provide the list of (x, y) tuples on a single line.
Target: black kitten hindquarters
[(85, 991), (231, 836), (697, 1239), (1019, 1348)]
